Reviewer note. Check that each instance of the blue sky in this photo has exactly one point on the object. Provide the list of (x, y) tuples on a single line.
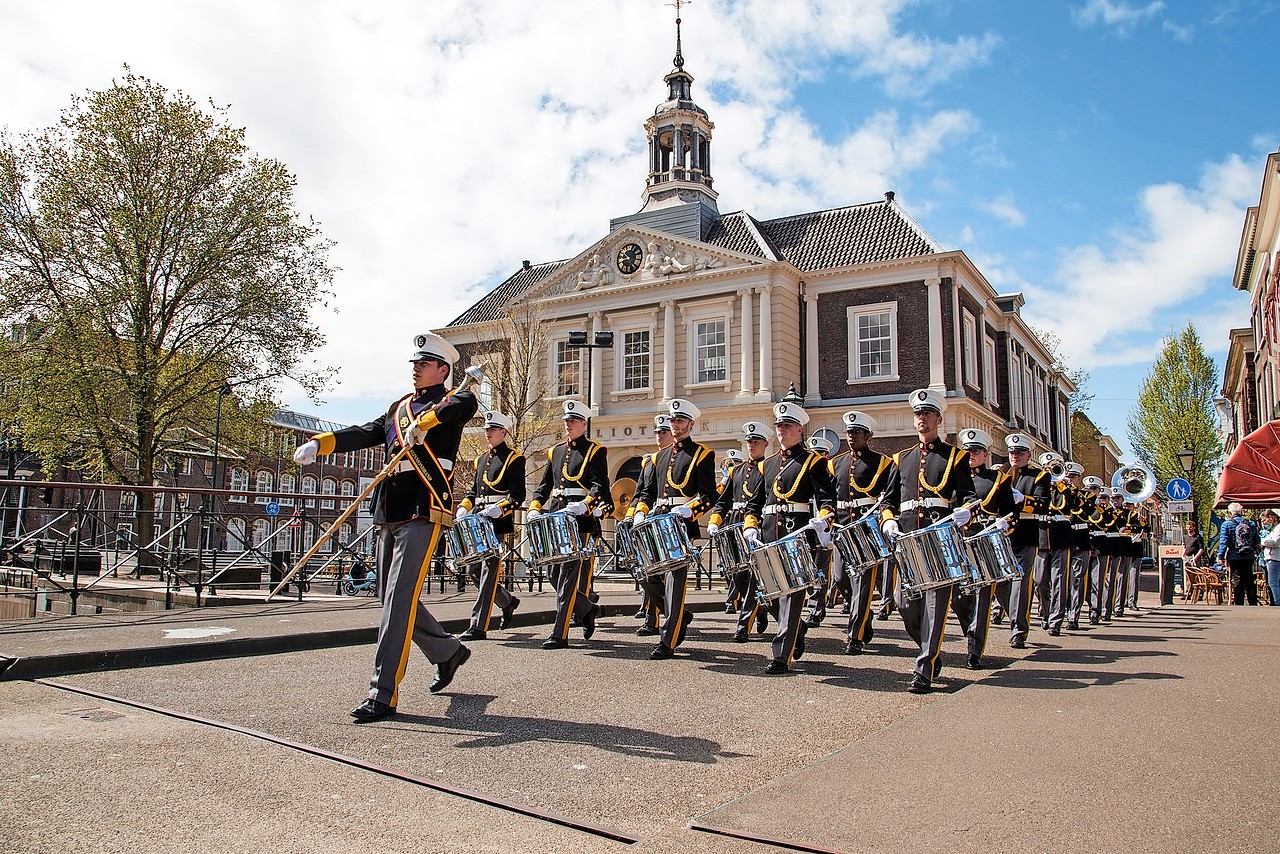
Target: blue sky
[(1097, 155)]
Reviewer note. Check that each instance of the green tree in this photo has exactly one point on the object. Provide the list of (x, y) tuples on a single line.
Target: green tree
[(1079, 377), (147, 260), (1175, 411)]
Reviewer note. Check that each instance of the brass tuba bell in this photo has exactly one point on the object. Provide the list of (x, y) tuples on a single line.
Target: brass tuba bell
[(1136, 482)]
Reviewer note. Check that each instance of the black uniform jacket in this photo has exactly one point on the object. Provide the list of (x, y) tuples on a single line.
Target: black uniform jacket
[(576, 471), (423, 487), (1063, 499), (860, 478), (744, 481), (1034, 484), (499, 480), (1081, 513), (995, 496), (646, 472), (926, 484), (683, 473), (794, 480)]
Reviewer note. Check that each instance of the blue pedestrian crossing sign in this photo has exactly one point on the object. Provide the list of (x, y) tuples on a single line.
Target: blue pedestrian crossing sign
[(1178, 489), (272, 508)]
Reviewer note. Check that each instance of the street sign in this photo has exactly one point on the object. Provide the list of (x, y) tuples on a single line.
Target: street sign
[(273, 509), (1180, 506), (1178, 489)]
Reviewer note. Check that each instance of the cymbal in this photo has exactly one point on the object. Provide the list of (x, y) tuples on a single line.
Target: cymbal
[(623, 491)]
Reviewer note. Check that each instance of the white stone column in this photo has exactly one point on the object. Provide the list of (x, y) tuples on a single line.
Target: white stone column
[(668, 350), (937, 371), (597, 362), (812, 394), (748, 356), (766, 343)]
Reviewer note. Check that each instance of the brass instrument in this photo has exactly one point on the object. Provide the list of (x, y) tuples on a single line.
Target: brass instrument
[(623, 491), (1054, 464), (1136, 482)]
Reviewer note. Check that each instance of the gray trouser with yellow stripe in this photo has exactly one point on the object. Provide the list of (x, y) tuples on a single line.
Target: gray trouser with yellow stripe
[(669, 591), (862, 585), (570, 601), (1015, 596), (973, 610), (404, 557), (1051, 585), (748, 603), (925, 618), (489, 591), (789, 611), (1081, 560)]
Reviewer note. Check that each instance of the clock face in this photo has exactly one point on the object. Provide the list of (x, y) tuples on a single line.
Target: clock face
[(630, 257)]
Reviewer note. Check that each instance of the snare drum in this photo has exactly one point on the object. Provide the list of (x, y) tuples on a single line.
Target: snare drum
[(784, 566), (862, 544), (932, 557), (662, 544), (472, 540), (553, 538), (992, 559), (731, 546), (624, 548)]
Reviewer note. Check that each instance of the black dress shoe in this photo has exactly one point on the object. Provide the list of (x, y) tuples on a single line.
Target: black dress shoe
[(1093, 620), (555, 643), (997, 619), (845, 609), (801, 631), (773, 668), (472, 634), (1074, 626), (1055, 632), (762, 621), (813, 622), (937, 667), (1018, 644), (853, 648), (589, 622), (684, 623), (919, 685), (372, 710), (1120, 612), (740, 636), (646, 631), (661, 651), (973, 662), (729, 609), (639, 615), (869, 633), (505, 621), (446, 669)]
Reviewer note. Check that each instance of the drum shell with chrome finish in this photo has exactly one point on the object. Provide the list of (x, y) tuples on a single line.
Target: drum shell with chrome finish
[(784, 566), (662, 544), (932, 558), (991, 559), (731, 546), (624, 547), (862, 544), (473, 540), (553, 538)]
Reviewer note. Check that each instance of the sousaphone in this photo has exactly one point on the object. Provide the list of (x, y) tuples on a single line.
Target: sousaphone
[(623, 491)]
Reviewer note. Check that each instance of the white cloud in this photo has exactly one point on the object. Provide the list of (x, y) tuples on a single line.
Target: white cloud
[(1105, 301), (1123, 18), (439, 144), (1003, 207)]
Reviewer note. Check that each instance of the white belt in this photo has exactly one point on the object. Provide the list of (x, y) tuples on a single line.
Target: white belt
[(923, 502), (787, 507), (1060, 518), (739, 505), (673, 500), (571, 492), (860, 502), (1080, 526), (407, 465), (493, 497)]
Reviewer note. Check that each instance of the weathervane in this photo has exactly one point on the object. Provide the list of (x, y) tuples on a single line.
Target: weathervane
[(679, 60)]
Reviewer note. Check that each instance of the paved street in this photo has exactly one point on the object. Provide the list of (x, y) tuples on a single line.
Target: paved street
[(1110, 739)]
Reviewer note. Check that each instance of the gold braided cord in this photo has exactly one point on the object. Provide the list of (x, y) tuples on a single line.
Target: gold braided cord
[(698, 456), (493, 484), (808, 463), (586, 458), (853, 481), (936, 489)]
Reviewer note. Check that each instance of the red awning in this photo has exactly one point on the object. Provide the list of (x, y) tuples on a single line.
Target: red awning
[(1252, 473)]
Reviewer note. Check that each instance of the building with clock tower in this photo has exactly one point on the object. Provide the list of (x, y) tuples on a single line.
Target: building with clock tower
[(852, 307)]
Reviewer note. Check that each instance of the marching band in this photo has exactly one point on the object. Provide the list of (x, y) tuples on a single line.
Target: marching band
[(935, 527)]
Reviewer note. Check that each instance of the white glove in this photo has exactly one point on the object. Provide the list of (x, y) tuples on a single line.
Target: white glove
[(638, 518), (460, 512), (820, 526), (598, 512), (416, 434), (712, 529), (577, 508), (1018, 496), (306, 453), (493, 511), (531, 515), (824, 539), (1003, 525), (684, 511), (891, 529), (961, 516), (752, 536)]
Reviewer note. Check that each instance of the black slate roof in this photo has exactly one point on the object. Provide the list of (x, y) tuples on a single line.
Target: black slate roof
[(819, 240)]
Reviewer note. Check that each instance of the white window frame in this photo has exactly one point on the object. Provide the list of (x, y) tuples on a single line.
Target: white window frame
[(969, 347), (288, 486), (261, 530), (236, 524), (620, 357), (717, 312), (328, 489), (853, 313), (562, 340), (1015, 381), (990, 381), (239, 484), (1028, 389), (309, 487), (263, 479)]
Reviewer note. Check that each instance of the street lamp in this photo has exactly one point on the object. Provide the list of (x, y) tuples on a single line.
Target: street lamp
[(578, 341), (1187, 458)]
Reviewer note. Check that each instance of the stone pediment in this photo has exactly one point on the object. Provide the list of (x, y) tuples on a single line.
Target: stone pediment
[(631, 257)]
